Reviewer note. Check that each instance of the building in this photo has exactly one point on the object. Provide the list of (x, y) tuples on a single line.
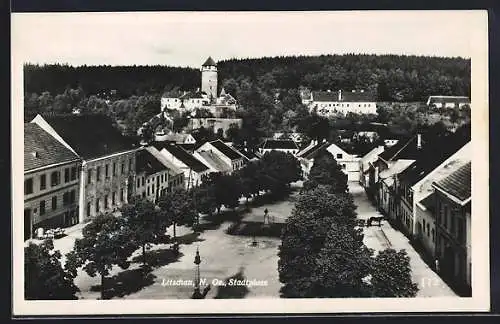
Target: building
[(51, 182), (387, 194), (296, 137), (423, 198), (207, 97), (175, 175), (217, 125), (179, 138), (286, 146), (366, 162), (229, 155), (213, 161), (151, 176), (192, 168), (453, 226), (307, 155), (348, 162), (108, 167), (448, 101), (330, 103)]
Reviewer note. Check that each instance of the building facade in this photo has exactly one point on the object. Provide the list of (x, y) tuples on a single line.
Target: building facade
[(209, 78), (228, 154), (349, 163), (51, 182), (331, 103), (285, 146), (151, 179)]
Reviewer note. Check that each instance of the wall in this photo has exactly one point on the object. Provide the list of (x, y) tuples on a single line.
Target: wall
[(214, 123), (427, 237), (209, 80), (106, 189), (153, 186), (64, 214), (334, 107)]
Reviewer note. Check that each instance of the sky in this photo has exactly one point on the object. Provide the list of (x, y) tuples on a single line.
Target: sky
[(188, 38)]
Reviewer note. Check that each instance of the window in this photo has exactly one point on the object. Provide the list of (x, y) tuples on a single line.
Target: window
[(98, 174), (54, 178), (339, 155), (423, 224), (65, 198), (42, 207), (28, 186), (66, 175), (114, 168), (433, 235), (157, 180), (106, 171), (153, 188), (121, 195), (123, 168), (97, 205), (129, 165), (73, 173), (148, 190), (105, 201), (54, 203), (143, 181), (138, 182), (89, 176), (460, 230), (88, 209), (445, 216), (144, 195), (428, 229), (72, 196), (43, 182), (113, 198), (343, 166), (149, 180)]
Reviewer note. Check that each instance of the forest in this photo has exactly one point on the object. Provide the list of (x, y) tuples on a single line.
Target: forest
[(267, 89)]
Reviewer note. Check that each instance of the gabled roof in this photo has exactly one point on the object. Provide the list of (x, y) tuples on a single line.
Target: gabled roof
[(272, 144), (172, 169), (227, 150), (209, 62), (429, 202), (310, 152), (214, 161), (148, 163), (402, 149), (396, 168), (184, 156), (457, 184), (249, 154), (41, 149), (91, 136), (345, 96)]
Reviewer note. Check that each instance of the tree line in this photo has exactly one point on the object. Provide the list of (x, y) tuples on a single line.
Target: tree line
[(110, 240), (322, 254)]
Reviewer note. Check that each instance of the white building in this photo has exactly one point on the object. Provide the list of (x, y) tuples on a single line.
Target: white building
[(448, 101), (366, 162), (229, 155), (151, 176), (348, 162), (330, 103), (286, 146)]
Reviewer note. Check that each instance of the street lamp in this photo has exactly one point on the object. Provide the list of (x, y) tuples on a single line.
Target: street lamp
[(197, 260)]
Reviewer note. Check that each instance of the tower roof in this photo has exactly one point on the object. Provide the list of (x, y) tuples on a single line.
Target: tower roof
[(209, 62)]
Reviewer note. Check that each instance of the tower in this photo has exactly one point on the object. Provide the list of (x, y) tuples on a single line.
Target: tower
[(209, 78)]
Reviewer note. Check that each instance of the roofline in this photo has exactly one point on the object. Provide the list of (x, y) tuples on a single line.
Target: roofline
[(52, 165), (450, 196), (110, 155)]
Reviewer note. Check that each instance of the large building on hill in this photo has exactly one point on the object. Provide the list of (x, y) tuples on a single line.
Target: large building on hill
[(207, 97), (331, 103), (108, 168)]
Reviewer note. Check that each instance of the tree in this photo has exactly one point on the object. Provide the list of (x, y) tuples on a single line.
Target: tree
[(204, 197), (226, 189), (283, 168), (342, 265), (44, 276), (146, 222), (391, 275), (326, 171), (179, 208), (107, 241)]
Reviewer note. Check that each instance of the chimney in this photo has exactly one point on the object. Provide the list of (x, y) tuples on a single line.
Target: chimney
[(35, 154), (419, 141), (340, 95)]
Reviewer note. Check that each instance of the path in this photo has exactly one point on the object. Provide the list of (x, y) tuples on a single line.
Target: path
[(385, 236)]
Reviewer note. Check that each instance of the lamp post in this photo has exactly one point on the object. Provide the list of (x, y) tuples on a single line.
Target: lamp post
[(197, 260)]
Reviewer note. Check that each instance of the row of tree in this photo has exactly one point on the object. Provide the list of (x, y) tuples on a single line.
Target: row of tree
[(322, 253), (110, 240)]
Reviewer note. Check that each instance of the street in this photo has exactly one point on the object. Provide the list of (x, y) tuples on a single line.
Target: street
[(385, 236)]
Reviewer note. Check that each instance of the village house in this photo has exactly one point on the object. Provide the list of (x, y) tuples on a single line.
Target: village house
[(192, 168), (175, 175), (51, 182), (330, 103), (366, 162), (423, 198), (349, 163), (229, 155), (108, 168), (448, 101), (151, 176), (286, 146), (307, 155), (453, 226), (386, 194)]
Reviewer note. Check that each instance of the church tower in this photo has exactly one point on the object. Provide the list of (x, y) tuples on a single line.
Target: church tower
[(209, 78)]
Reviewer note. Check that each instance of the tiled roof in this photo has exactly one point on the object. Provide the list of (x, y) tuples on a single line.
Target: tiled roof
[(345, 96), (214, 161), (209, 62), (401, 149), (429, 202), (148, 163), (457, 184), (172, 169), (311, 152), (396, 168), (448, 99), (41, 149), (226, 150), (91, 136), (192, 95), (183, 156), (280, 144)]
